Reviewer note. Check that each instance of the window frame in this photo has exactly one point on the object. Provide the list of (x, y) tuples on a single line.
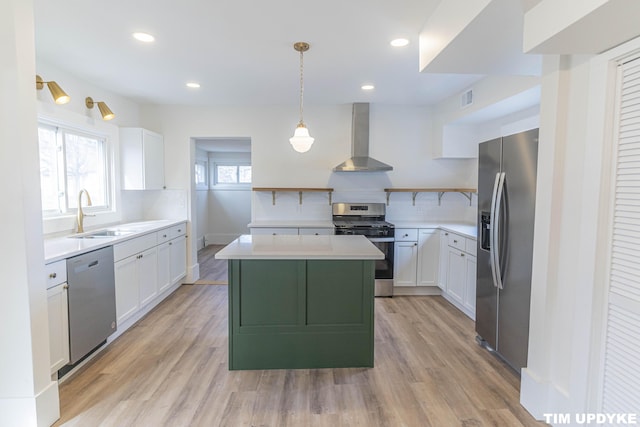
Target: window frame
[(231, 185), (62, 129)]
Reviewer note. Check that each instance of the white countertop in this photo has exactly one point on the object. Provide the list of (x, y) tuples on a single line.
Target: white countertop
[(465, 229), (58, 248), (291, 224), (329, 247)]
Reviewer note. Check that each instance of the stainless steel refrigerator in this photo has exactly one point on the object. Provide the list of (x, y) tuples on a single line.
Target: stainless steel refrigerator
[(506, 202)]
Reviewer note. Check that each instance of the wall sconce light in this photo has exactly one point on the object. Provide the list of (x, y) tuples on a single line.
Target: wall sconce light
[(107, 114), (59, 96)]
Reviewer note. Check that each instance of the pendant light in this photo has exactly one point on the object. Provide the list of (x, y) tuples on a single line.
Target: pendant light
[(301, 140)]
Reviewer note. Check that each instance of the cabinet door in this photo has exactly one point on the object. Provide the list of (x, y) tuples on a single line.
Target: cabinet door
[(405, 263), (178, 254), (164, 267), (470, 284), (127, 288), (428, 257), (444, 260), (148, 275), (57, 305), (456, 275), (153, 160)]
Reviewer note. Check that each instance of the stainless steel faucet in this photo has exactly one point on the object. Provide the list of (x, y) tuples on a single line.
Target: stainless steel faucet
[(81, 215)]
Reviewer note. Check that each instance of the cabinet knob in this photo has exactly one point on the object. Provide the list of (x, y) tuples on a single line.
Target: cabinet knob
[(164, 235), (179, 230), (53, 275), (446, 234), (170, 243), (461, 254), (405, 235), (273, 234), (65, 286), (415, 244), (455, 241)]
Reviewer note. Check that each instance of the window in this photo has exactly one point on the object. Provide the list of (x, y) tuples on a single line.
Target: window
[(70, 161), (233, 174), (201, 174)]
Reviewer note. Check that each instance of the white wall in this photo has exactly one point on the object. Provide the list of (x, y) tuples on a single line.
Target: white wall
[(571, 235), (229, 209), (399, 135), (28, 397)]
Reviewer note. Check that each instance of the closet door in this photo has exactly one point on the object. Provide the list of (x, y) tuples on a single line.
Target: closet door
[(621, 373)]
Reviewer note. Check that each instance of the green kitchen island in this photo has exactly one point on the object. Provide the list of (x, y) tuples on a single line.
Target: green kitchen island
[(300, 301)]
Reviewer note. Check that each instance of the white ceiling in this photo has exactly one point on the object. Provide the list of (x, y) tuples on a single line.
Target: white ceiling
[(241, 51)]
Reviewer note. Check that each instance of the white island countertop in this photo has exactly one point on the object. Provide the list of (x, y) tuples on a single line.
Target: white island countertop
[(329, 247)]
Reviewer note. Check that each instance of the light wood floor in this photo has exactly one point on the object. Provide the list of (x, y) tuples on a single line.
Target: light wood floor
[(170, 369), (212, 271)]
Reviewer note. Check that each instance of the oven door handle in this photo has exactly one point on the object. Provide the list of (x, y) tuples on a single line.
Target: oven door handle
[(381, 239)]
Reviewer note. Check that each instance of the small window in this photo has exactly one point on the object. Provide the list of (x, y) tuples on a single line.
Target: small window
[(232, 174), (69, 162), (200, 174)]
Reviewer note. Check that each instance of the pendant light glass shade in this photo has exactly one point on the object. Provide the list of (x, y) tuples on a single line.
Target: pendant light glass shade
[(301, 140)]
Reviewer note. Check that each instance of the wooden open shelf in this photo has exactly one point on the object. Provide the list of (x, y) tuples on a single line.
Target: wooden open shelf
[(466, 192), (275, 190)]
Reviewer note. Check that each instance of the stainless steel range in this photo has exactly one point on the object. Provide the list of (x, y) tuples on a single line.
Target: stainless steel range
[(368, 219)]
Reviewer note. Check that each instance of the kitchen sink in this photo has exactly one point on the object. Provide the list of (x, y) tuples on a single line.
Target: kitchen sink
[(103, 233)]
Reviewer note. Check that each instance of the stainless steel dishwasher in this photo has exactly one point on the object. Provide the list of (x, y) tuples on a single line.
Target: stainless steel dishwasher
[(92, 301)]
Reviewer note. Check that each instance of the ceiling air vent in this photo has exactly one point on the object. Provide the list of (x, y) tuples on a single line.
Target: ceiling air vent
[(466, 98)]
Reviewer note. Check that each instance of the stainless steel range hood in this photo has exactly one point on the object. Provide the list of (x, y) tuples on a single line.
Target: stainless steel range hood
[(360, 160)]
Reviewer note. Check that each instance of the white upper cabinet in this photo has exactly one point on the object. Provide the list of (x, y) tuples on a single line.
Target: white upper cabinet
[(142, 159)]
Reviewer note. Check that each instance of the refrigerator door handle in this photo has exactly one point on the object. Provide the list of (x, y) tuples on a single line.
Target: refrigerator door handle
[(495, 229), (492, 238)]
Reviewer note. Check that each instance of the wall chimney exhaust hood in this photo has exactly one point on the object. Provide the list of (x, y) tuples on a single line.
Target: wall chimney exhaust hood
[(360, 160)]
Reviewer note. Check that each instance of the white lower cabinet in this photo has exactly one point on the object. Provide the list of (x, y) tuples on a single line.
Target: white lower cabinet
[(178, 258), (405, 263), (148, 275), (274, 231), (444, 260), (460, 282), (127, 288), (428, 257), (146, 267), (164, 267), (416, 258), (57, 305)]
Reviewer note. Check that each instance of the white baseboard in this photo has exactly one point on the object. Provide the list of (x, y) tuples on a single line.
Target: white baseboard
[(193, 273), (220, 238), (416, 290), (41, 410), (459, 306), (541, 397)]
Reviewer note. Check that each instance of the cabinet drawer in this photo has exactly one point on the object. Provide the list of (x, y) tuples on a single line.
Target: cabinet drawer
[(316, 231), (274, 231), (406, 234), (134, 246), (457, 241), (169, 233), (470, 246), (56, 273)]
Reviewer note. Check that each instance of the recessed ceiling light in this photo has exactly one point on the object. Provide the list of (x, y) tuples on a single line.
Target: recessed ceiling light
[(143, 37), (367, 87), (193, 85), (399, 42)]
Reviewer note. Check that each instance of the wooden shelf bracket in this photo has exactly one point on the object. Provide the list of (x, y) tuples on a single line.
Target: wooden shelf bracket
[(274, 190)]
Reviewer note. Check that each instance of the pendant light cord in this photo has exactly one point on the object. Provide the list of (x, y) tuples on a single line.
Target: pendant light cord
[(301, 87)]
